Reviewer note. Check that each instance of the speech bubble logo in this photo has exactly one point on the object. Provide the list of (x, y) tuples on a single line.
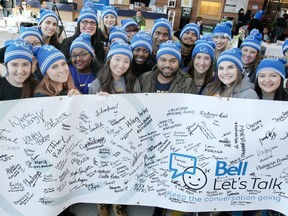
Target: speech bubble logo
[(179, 164)]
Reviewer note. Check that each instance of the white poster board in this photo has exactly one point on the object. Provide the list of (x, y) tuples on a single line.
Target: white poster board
[(176, 151)]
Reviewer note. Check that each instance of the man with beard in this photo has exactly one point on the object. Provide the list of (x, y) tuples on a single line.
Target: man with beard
[(188, 36), (161, 32), (167, 76)]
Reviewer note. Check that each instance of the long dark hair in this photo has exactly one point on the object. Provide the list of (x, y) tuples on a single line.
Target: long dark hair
[(107, 82), (208, 75), (29, 86), (280, 93), (95, 42)]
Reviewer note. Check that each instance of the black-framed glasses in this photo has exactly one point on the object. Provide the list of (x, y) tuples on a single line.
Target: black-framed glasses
[(86, 22), (35, 43), (80, 55)]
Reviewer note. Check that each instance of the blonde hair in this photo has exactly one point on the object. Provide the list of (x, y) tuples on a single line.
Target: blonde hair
[(103, 28)]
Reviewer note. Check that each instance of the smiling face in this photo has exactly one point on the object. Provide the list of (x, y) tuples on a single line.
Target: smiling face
[(269, 81), (202, 62), (58, 73), (109, 20), (160, 35), (81, 59), (221, 42), (33, 40), (18, 71), (88, 26), (140, 55), (49, 26), (196, 181), (131, 30), (168, 66), (249, 55), (119, 64), (227, 73), (189, 38)]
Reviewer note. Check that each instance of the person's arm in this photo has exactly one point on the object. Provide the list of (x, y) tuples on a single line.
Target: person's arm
[(94, 87)]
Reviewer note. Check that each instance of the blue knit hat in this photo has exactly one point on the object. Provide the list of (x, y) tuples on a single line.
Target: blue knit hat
[(190, 27), (285, 46), (46, 56), (83, 41), (204, 46), (223, 29), (253, 40), (169, 47), (127, 22), (18, 49), (109, 10), (162, 22), (207, 37), (88, 12), (30, 31), (232, 55), (44, 13), (259, 14), (118, 32), (120, 47), (142, 39), (274, 64)]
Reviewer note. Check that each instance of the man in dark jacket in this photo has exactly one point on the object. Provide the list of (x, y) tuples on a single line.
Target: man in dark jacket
[(166, 76)]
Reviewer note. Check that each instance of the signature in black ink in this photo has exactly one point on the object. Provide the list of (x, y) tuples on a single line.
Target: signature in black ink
[(84, 117), (136, 156), (285, 137), (51, 123), (28, 119), (45, 200), (32, 180), (7, 139), (269, 135)]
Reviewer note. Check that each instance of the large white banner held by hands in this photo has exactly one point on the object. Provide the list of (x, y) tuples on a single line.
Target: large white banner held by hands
[(177, 151)]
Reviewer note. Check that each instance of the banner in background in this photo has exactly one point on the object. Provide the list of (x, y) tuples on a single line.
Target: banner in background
[(177, 151)]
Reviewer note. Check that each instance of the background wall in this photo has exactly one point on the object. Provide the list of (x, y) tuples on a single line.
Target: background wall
[(177, 9)]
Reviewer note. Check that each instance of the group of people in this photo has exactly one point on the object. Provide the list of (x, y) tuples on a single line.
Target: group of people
[(105, 58)]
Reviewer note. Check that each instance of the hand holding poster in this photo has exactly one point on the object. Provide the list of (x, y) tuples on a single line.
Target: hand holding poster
[(178, 151)]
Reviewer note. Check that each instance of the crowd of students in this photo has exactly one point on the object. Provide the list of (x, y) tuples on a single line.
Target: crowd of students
[(104, 58)]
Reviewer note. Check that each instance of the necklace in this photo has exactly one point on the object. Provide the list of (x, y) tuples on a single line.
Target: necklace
[(81, 84)]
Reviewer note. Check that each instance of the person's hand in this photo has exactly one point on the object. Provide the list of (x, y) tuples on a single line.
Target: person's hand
[(101, 93), (73, 92)]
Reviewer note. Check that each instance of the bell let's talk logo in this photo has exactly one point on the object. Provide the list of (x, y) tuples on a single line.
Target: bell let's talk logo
[(195, 178), (240, 169)]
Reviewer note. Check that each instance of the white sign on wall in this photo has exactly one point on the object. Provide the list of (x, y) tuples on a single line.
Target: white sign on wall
[(233, 6)]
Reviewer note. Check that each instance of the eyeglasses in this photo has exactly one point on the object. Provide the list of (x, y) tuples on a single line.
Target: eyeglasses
[(81, 55), (35, 43), (23, 4), (132, 30), (86, 22)]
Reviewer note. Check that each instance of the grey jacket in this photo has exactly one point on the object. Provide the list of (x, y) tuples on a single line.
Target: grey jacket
[(245, 89)]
